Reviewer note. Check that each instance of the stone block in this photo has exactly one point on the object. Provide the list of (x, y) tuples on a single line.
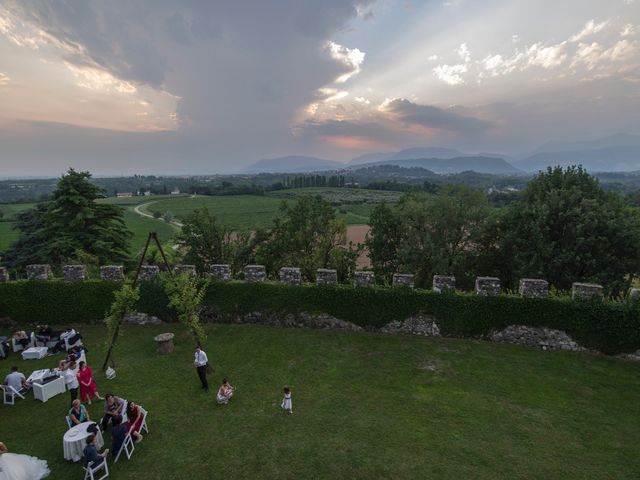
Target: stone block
[(634, 294), (189, 270), (38, 272), (402, 280), (586, 290), (533, 288), (488, 286), (112, 273), (364, 279), (255, 273), (442, 283), (149, 272), (4, 275), (74, 273), (326, 276), (290, 275), (220, 272)]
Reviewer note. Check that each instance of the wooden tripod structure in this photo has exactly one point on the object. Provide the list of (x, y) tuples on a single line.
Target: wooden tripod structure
[(152, 236)]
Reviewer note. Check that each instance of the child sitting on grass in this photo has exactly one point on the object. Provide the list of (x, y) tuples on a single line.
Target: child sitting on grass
[(286, 400)]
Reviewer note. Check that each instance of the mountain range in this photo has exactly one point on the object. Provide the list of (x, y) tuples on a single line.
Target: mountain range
[(615, 153)]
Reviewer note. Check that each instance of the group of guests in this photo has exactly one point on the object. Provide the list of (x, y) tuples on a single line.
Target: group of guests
[(114, 409), (79, 378), (226, 390)]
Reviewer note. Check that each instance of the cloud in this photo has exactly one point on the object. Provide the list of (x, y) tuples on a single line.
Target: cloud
[(590, 28), (433, 117), (4, 79), (451, 74), (351, 58)]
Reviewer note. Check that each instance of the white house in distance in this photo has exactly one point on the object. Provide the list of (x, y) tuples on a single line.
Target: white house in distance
[(124, 194), (175, 191)]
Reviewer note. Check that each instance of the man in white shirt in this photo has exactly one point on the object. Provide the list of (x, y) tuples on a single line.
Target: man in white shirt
[(71, 380), (200, 362), (16, 380)]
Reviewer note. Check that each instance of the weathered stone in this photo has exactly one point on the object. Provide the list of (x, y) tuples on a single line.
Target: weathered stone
[(420, 324), (220, 272), (149, 272), (402, 280), (189, 270), (164, 343), (38, 272), (487, 286), (292, 320), (325, 276), (633, 356), (138, 318), (4, 275), (533, 288), (364, 279), (586, 290), (443, 282), (634, 294), (112, 273), (290, 275), (255, 273), (74, 273), (542, 337)]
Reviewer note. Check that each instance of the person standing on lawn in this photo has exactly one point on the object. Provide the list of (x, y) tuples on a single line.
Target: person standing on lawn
[(201, 363)]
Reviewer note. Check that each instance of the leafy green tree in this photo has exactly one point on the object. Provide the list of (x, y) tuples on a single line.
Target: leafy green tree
[(185, 296), (427, 234), (307, 235), (168, 216), (72, 221), (566, 228)]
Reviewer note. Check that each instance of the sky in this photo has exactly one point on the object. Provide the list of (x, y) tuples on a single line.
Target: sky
[(203, 87)]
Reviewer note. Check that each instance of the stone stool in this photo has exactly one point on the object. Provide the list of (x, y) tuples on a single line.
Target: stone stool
[(164, 342)]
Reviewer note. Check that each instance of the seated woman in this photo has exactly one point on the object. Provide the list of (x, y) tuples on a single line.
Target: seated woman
[(134, 421), (21, 337), (78, 413), (113, 406), (225, 392)]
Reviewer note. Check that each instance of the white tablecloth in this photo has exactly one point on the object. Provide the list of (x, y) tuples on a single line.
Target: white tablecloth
[(37, 375), (45, 391), (34, 353), (75, 439)]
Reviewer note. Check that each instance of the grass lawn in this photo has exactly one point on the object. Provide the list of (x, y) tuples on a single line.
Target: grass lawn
[(366, 406)]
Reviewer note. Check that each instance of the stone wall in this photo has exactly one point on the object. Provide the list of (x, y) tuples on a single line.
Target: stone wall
[(74, 273), (420, 324), (149, 272), (442, 283), (112, 273), (290, 275), (255, 273), (220, 272), (402, 280), (325, 276), (38, 272), (364, 279), (534, 288), (488, 286), (586, 290), (189, 270)]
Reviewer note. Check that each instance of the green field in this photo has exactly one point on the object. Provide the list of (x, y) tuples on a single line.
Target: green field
[(366, 406)]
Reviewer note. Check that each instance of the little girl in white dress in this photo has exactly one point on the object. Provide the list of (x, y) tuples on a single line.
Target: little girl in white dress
[(14, 466), (287, 405)]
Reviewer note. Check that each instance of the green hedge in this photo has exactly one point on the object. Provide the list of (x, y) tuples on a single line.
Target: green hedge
[(610, 327)]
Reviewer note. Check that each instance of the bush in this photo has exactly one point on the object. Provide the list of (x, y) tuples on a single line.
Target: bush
[(610, 327)]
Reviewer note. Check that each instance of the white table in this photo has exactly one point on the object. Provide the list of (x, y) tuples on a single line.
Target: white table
[(75, 439), (37, 375), (34, 353), (44, 392)]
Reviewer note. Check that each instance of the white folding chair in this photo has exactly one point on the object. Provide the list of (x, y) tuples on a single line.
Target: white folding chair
[(69, 422), (90, 470), (10, 394), (17, 346), (68, 346), (143, 425), (128, 447)]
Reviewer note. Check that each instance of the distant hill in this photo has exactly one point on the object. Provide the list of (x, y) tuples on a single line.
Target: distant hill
[(608, 159), (618, 140), (371, 157), (476, 164), (293, 164), (426, 152)]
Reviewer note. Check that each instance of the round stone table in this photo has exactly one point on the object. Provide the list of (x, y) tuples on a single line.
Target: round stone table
[(164, 342)]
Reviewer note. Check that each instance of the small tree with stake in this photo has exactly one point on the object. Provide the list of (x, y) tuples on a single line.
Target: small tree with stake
[(185, 295)]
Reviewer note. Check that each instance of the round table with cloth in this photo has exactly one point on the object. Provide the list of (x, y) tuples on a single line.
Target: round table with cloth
[(75, 439)]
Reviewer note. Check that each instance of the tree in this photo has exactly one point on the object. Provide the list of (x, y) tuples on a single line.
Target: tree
[(307, 235), (566, 228), (427, 234), (185, 296), (168, 216), (72, 221)]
